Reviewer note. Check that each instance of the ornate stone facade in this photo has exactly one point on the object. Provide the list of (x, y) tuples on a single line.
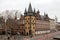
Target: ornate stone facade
[(29, 21)]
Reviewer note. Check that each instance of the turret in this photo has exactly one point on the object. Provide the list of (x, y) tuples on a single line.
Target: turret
[(30, 8), (16, 15), (25, 13), (46, 18)]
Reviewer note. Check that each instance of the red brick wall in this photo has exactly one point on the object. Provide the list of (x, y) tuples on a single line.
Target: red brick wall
[(42, 25)]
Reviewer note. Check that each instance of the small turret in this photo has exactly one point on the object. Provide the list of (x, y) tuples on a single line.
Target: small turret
[(25, 10), (56, 19), (16, 15), (38, 12), (46, 18), (34, 10), (25, 13)]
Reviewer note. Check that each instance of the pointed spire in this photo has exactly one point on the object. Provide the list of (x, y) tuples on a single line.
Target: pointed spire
[(30, 8), (25, 13), (25, 10), (44, 13), (56, 19), (16, 14), (38, 11), (34, 10), (46, 17)]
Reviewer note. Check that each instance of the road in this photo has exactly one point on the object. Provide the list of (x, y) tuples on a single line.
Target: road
[(40, 37), (45, 37)]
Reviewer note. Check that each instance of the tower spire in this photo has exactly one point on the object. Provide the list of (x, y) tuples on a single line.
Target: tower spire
[(34, 10), (30, 8), (25, 13), (25, 10), (16, 14), (38, 12), (56, 19)]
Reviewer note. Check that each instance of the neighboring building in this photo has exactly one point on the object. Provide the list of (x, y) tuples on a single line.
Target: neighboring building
[(52, 25), (29, 21), (21, 25), (58, 26), (12, 25)]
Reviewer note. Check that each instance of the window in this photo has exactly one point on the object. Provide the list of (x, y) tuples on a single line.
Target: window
[(25, 18), (25, 27), (28, 27), (32, 18), (28, 18), (33, 27), (28, 23), (25, 23)]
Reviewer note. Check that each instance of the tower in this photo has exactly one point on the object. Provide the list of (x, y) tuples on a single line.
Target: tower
[(16, 15), (46, 18), (29, 21)]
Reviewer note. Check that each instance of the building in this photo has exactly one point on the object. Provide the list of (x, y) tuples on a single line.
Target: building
[(58, 26), (42, 23), (29, 21), (52, 24), (35, 22), (12, 25)]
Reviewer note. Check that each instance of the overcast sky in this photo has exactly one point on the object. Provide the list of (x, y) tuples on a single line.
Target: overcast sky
[(51, 7)]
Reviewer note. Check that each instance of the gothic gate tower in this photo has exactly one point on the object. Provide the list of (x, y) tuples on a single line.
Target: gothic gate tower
[(29, 21)]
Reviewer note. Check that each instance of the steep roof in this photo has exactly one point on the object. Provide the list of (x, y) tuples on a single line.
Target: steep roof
[(30, 8)]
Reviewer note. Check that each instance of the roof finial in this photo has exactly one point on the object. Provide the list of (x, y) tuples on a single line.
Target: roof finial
[(34, 10), (56, 19), (38, 11), (30, 8), (25, 10)]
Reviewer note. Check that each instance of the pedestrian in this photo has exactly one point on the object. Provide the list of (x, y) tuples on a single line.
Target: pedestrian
[(8, 37), (14, 37)]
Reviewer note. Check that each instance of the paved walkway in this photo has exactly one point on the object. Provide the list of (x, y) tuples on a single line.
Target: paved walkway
[(40, 37), (46, 37), (15, 37)]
